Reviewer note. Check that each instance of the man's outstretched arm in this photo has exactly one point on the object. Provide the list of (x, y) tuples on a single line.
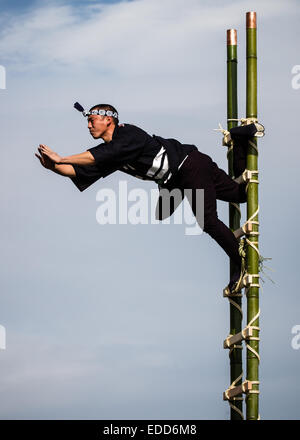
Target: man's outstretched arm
[(85, 158), (82, 176), (63, 170)]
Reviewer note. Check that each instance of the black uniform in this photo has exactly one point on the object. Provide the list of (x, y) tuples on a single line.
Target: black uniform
[(134, 152), (171, 165)]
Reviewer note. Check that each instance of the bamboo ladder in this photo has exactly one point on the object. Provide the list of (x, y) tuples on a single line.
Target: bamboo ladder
[(250, 334)]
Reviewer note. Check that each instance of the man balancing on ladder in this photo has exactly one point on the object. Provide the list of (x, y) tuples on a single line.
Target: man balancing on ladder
[(167, 162)]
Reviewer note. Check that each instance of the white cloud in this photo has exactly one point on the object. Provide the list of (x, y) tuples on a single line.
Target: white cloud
[(128, 38)]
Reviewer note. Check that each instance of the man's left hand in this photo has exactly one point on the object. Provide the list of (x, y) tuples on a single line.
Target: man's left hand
[(44, 149)]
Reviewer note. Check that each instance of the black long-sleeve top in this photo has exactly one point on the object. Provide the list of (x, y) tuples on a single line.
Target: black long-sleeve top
[(134, 152)]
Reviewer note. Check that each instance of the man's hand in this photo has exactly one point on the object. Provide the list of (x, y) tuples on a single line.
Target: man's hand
[(85, 158), (63, 170), (45, 161), (46, 151)]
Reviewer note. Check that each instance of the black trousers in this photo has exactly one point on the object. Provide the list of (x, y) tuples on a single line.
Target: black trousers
[(199, 171)]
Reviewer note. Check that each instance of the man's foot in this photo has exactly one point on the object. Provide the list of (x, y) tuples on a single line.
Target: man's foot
[(250, 130), (236, 281)]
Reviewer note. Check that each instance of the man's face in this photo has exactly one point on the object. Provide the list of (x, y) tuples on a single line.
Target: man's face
[(98, 124)]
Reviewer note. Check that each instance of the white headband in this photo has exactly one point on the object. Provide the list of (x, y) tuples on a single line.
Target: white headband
[(101, 112)]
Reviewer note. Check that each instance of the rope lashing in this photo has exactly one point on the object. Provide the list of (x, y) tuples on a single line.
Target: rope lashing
[(232, 386), (246, 228), (234, 390), (246, 386), (236, 305), (244, 335), (232, 406), (237, 207), (234, 347), (248, 281), (254, 338), (235, 408), (253, 222), (227, 141), (255, 382), (242, 253), (239, 284), (247, 177), (228, 294), (244, 121), (253, 145), (252, 243), (260, 129)]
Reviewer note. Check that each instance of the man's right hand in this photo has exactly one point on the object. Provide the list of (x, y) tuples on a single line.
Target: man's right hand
[(63, 170), (45, 161), (46, 151)]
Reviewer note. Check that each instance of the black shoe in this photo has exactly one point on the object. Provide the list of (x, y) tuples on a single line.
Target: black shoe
[(250, 130), (236, 280), (233, 283)]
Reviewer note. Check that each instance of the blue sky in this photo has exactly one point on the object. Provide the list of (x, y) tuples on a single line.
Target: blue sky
[(124, 321)]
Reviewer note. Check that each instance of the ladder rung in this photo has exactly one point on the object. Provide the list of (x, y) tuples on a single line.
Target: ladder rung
[(234, 339), (232, 392), (245, 229)]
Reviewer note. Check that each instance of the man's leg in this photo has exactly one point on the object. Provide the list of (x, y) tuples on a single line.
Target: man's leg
[(240, 145), (198, 172), (226, 188)]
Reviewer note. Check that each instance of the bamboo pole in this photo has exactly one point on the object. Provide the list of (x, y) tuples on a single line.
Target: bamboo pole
[(234, 218), (252, 399)]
